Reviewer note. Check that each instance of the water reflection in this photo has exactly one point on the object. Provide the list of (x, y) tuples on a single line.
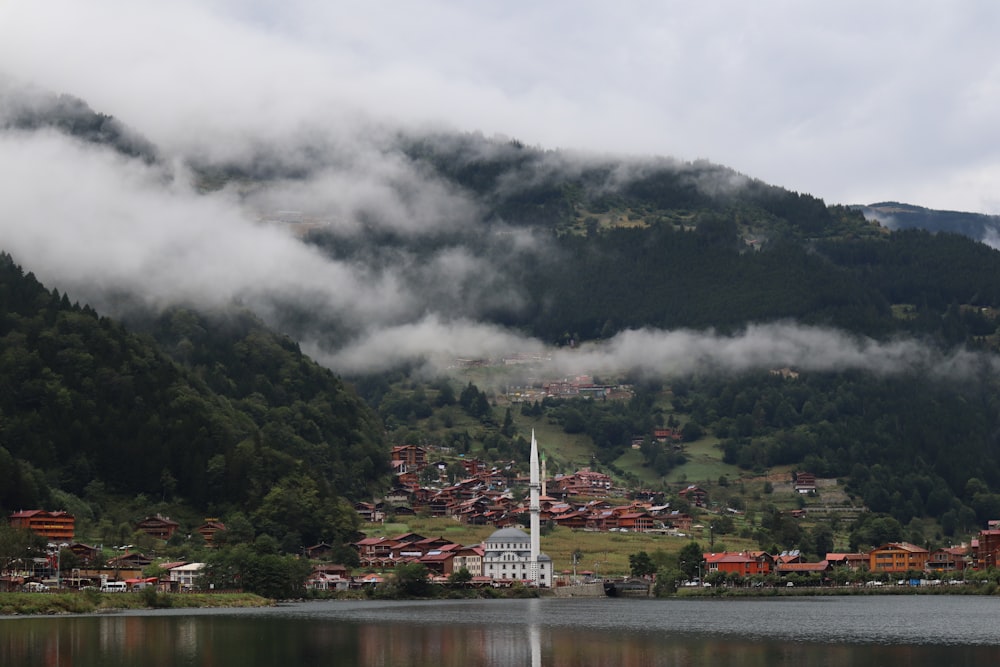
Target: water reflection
[(535, 632), (497, 633)]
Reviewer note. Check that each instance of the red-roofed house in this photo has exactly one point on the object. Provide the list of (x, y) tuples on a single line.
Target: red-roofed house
[(377, 551), (438, 562), (853, 561), (695, 495), (665, 434), (948, 559)]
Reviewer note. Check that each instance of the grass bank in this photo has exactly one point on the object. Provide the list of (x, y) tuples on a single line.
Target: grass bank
[(88, 602)]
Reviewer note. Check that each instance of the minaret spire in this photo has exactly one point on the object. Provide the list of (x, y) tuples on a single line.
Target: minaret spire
[(534, 485), (544, 476)]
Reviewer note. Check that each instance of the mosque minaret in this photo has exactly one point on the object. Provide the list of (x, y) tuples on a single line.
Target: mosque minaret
[(534, 487), (509, 553)]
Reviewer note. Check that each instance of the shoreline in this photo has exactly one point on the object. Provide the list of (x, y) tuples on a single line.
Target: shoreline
[(93, 602), (15, 604)]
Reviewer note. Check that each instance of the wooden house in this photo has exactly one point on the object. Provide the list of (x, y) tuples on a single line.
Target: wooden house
[(158, 526), (56, 526), (897, 557)]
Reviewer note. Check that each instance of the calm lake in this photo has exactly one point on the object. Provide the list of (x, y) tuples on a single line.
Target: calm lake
[(883, 630)]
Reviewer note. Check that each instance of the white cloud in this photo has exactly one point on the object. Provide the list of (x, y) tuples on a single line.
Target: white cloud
[(94, 224), (764, 347), (848, 101), (435, 345), (853, 101), (91, 222), (429, 342)]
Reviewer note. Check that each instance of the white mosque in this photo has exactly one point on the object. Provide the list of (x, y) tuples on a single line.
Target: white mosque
[(510, 553)]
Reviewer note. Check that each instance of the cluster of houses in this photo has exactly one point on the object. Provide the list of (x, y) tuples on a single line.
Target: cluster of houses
[(484, 497), (578, 386), (442, 557), (891, 558), (60, 527), (120, 574), (124, 571)]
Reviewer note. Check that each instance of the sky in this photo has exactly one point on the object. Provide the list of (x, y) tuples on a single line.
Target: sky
[(852, 102)]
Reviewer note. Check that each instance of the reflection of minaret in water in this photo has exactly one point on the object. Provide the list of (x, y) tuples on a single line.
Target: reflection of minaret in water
[(534, 633), (534, 486)]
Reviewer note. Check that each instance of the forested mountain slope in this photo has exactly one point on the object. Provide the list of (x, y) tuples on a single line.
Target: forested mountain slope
[(620, 245), (239, 419)]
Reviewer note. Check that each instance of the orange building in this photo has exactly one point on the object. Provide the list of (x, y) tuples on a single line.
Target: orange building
[(897, 557), (54, 526), (744, 563)]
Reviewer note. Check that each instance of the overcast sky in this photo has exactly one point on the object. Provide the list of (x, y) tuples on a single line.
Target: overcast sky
[(855, 102)]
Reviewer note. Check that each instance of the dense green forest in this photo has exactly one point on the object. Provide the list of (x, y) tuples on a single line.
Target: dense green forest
[(904, 446), (217, 415)]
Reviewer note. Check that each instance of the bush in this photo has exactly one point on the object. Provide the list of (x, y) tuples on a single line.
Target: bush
[(155, 600)]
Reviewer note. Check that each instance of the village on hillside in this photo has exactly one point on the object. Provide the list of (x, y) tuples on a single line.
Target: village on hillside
[(493, 496), (582, 501)]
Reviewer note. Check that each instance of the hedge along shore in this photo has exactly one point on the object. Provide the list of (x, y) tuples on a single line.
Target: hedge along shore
[(832, 591)]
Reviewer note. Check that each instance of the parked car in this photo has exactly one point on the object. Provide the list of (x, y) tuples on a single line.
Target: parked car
[(114, 587)]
